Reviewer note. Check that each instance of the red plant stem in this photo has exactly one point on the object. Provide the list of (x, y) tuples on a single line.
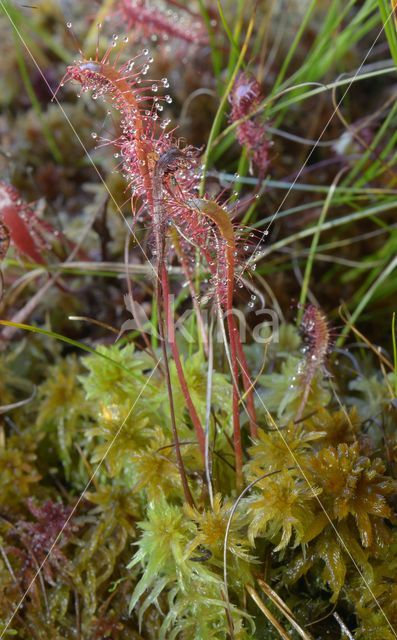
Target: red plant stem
[(162, 295), (248, 387), (179, 460), (188, 275), (179, 368), (221, 219), (232, 329), (158, 219), (145, 338)]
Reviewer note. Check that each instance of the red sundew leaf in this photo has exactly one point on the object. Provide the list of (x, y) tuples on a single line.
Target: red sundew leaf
[(21, 227), (18, 217), (219, 216), (317, 336)]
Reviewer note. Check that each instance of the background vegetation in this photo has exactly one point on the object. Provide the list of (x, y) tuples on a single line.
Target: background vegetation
[(153, 487)]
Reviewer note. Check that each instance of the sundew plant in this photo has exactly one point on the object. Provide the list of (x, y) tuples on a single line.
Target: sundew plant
[(198, 351)]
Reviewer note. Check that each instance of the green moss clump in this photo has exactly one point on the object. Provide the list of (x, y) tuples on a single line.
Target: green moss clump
[(135, 561)]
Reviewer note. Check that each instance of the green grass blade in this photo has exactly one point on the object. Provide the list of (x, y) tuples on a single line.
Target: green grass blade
[(394, 340), (386, 12), (313, 248), (365, 300), (59, 336)]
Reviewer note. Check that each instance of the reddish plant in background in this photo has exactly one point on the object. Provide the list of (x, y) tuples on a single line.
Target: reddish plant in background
[(38, 538), (50, 519), (158, 20), (24, 228), (245, 97), (21, 227)]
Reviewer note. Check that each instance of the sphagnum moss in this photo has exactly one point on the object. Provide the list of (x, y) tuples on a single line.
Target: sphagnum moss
[(282, 530)]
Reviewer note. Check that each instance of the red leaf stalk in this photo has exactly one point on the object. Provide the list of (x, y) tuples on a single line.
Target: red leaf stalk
[(189, 278), (248, 386), (225, 291), (179, 368), (166, 164)]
